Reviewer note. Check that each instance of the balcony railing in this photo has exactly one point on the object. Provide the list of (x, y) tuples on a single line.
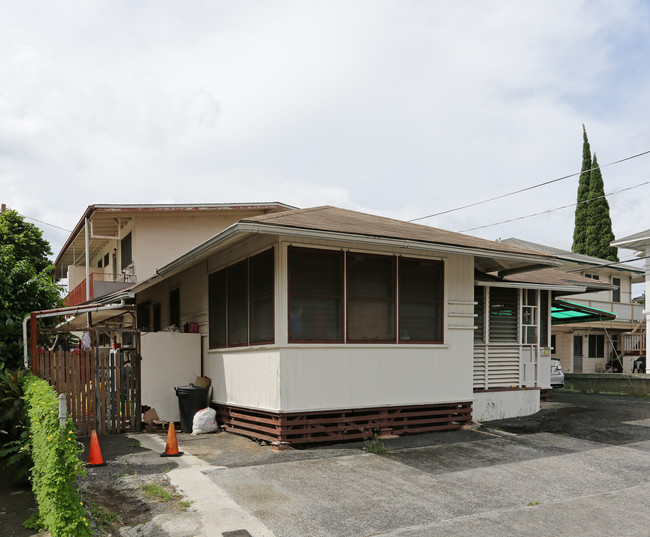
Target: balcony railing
[(634, 344), (100, 284), (624, 311)]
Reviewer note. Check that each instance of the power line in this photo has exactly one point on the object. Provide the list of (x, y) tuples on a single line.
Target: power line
[(41, 222), (528, 188), (556, 209), (612, 264)]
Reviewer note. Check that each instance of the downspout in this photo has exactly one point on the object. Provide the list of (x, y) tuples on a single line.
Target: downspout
[(54, 313), (86, 238)]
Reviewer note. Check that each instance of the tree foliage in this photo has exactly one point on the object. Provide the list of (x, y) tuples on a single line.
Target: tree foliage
[(582, 209), (592, 233), (25, 282)]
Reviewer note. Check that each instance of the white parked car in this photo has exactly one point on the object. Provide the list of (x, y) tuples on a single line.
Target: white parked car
[(557, 375)]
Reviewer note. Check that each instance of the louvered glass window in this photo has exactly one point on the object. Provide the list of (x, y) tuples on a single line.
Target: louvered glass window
[(504, 314)]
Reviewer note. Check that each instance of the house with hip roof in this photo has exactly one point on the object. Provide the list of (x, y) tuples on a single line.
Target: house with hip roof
[(325, 324)]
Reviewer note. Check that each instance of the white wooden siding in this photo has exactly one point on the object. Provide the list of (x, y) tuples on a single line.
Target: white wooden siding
[(496, 366), (246, 377)]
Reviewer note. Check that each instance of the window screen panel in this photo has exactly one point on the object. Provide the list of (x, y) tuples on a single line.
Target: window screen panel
[(421, 289), (261, 280), (315, 295), (371, 298)]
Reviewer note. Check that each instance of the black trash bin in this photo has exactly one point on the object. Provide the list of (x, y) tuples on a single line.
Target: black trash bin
[(191, 399)]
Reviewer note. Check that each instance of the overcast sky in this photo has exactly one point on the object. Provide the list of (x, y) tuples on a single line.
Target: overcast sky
[(398, 108)]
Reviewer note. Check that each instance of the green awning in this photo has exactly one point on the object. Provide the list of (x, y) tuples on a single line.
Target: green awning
[(563, 312)]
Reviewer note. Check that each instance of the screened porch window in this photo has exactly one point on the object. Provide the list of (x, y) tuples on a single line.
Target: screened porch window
[(241, 303), (315, 295), (370, 298), (421, 286), (387, 299)]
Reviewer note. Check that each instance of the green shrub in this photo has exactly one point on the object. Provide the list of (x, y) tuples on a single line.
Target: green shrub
[(55, 451), (15, 456)]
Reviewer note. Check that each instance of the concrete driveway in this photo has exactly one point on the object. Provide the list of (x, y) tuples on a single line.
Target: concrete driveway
[(579, 467)]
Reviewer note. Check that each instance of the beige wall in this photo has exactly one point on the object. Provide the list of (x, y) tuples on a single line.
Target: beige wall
[(310, 377)]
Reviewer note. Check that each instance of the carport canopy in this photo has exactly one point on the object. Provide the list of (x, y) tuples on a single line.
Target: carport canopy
[(564, 312)]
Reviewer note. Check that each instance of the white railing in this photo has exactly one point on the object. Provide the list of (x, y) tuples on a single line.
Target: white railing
[(624, 311)]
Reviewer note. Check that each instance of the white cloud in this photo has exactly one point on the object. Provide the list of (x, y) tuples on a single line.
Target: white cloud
[(398, 108)]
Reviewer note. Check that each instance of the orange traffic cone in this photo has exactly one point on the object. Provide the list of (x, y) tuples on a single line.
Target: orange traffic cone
[(171, 449), (94, 453)]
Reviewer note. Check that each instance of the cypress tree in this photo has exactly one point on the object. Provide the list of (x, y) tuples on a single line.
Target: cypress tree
[(599, 223), (582, 209)]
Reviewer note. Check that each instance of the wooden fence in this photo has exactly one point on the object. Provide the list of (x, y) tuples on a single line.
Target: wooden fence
[(102, 388)]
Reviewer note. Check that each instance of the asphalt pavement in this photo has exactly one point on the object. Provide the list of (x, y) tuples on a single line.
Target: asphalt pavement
[(580, 466)]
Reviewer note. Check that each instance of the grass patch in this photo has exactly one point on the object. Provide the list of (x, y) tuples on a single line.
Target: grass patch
[(159, 493), (375, 446), (184, 505), (530, 504), (103, 518)]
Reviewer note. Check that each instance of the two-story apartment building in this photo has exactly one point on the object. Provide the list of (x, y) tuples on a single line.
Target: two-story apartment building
[(587, 347), (113, 247)]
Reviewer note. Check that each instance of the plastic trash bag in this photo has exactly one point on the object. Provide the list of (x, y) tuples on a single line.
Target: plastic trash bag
[(205, 421)]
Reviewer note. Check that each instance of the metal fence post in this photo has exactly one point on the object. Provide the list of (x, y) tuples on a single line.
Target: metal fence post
[(63, 410)]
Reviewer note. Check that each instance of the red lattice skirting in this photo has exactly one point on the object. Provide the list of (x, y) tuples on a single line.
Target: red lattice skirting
[(338, 425)]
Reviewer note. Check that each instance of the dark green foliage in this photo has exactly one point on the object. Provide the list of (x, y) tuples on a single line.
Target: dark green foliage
[(15, 458), (25, 282), (599, 224), (592, 232), (56, 463), (582, 209)]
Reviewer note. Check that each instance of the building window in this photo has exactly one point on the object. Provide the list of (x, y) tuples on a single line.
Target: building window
[(592, 276), (543, 318), (175, 307), (156, 318), (217, 316), (504, 314), (616, 293), (315, 295), (529, 316), (421, 284), (126, 251), (143, 316), (386, 300), (99, 263), (553, 344), (106, 258), (370, 298), (261, 283), (241, 303), (596, 346)]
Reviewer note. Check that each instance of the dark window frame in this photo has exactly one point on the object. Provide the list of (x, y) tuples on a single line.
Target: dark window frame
[(175, 307), (596, 346), (616, 293), (143, 315), (359, 299), (435, 304), (126, 250), (295, 296), (222, 311)]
